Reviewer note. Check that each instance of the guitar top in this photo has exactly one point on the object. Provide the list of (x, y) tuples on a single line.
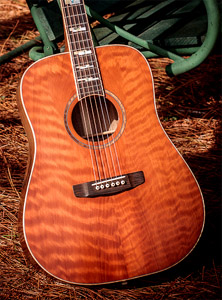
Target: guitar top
[(106, 197)]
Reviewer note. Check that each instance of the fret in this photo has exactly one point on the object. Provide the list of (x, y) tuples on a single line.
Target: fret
[(82, 60), (83, 76), (84, 34), (78, 29), (79, 24), (71, 2), (90, 84), (80, 36), (74, 16), (86, 72), (79, 41), (80, 45), (89, 69), (87, 91), (72, 22), (76, 19), (82, 52), (87, 79), (69, 6), (83, 57), (83, 67), (83, 88), (83, 49)]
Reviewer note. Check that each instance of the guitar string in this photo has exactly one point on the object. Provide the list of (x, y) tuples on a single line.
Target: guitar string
[(107, 113), (87, 110), (103, 120), (94, 62), (86, 60), (66, 16), (86, 107), (91, 105)]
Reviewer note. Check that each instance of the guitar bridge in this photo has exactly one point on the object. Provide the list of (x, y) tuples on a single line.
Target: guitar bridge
[(109, 186)]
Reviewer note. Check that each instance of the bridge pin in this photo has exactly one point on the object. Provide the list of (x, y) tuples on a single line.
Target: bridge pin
[(113, 184), (102, 186), (123, 182), (107, 185), (117, 183), (97, 187)]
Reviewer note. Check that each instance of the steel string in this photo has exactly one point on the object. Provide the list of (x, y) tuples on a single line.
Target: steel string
[(66, 10), (93, 113), (103, 115), (88, 85)]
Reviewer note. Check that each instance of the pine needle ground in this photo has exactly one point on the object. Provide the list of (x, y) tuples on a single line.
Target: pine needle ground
[(189, 108)]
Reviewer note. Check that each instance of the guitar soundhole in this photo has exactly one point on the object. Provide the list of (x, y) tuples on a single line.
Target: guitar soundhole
[(94, 118), (95, 121)]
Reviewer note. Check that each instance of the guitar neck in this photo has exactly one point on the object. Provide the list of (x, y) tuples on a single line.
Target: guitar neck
[(83, 57)]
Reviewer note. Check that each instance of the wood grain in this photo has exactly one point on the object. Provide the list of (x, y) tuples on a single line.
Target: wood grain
[(104, 239)]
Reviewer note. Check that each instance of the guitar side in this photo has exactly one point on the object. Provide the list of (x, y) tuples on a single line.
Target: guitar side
[(105, 239)]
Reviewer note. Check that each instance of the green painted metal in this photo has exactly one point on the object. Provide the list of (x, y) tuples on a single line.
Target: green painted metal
[(49, 47), (95, 41), (37, 53), (201, 54), (179, 51), (169, 24), (168, 29), (180, 65), (130, 37), (48, 20), (19, 50)]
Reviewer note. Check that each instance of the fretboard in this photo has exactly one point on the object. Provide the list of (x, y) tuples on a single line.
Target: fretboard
[(83, 57)]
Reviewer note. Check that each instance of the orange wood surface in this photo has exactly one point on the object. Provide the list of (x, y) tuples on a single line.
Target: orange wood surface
[(104, 239)]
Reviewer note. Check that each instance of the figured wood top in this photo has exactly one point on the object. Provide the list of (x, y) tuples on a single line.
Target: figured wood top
[(114, 238)]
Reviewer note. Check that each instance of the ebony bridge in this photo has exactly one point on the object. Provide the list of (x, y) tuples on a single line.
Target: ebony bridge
[(109, 186)]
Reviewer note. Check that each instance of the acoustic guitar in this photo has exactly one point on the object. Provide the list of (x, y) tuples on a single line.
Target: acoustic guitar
[(106, 197)]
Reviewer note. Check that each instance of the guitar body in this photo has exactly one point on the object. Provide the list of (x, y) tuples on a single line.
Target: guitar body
[(95, 240)]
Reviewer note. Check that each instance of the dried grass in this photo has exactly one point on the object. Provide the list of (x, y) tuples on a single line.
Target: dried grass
[(189, 108)]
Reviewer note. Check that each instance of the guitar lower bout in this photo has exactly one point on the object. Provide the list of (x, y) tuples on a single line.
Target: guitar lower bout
[(73, 235)]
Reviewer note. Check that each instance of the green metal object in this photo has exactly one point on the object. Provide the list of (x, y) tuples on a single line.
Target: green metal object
[(180, 65), (130, 37), (37, 53), (48, 20), (201, 54), (19, 50), (146, 25)]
